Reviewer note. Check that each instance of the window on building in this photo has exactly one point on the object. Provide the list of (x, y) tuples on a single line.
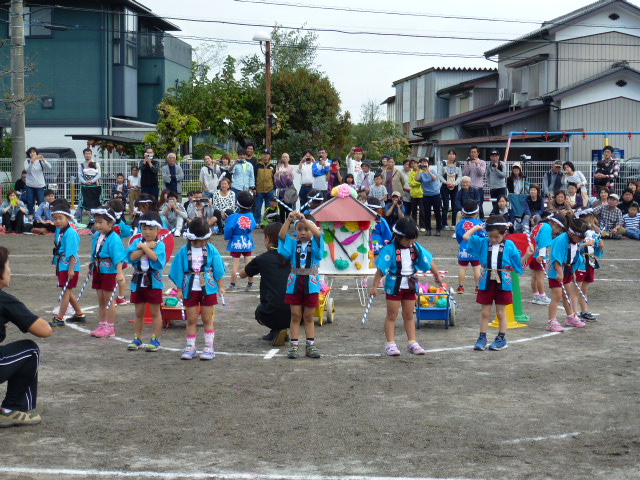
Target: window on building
[(420, 90), (131, 38), (406, 102), (117, 39), (34, 20), (530, 79), (464, 104)]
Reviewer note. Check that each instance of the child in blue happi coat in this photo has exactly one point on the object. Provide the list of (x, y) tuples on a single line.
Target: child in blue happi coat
[(469, 220), (565, 260), (303, 284), (198, 270), (542, 236), (590, 254), (124, 231), (398, 262), (237, 230), (498, 258), (66, 258), (107, 256), (148, 256), (381, 234)]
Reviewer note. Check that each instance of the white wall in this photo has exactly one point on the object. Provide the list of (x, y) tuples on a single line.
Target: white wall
[(604, 91), (55, 137), (601, 23)]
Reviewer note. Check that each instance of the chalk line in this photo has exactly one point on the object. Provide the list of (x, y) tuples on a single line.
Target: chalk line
[(272, 353), (200, 475), (552, 437)]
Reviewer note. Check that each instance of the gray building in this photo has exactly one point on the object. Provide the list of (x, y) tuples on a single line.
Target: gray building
[(579, 71)]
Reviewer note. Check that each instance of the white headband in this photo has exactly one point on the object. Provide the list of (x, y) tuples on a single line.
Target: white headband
[(370, 205), (571, 230), (470, 213), (145, 201), (499, 224), (102, 211), (398, 232), (62, 212), (190, 236), (150, 223), (554, 219), (586, 211)]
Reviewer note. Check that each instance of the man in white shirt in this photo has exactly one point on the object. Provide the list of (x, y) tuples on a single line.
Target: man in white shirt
[(88, 157), (354, 161), (305, 170)]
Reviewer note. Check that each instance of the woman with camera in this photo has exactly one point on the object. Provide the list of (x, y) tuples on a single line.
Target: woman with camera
[(449, 179), (431, 194)]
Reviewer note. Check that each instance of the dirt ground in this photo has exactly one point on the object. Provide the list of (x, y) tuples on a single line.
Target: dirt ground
[(561, 406)]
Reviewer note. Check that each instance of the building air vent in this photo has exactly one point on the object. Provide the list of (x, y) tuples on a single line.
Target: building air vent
[(621, 83), (614, 16)]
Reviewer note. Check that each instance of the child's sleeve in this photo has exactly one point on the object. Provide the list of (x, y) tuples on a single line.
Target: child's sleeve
[(118, 253), (385, 259), (132, 248), (515, 258), (425, 259), (72, 246), (474, 246), (219, 270), (318, 247), (286, 247), (125, 230), (177, 270), (161, 262)]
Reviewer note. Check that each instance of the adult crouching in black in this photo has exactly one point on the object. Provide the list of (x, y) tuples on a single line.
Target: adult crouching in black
[(19, 360), (274, 271)]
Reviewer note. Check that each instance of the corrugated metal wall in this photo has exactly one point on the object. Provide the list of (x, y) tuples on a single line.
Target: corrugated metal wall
[(619, 114), (610, 47)]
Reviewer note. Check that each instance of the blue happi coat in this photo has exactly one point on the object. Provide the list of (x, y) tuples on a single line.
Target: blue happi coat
[(390, 264), (237, 229), (288, 248), (155, 266), (111, 254), (182, 274), (381, 235), (560, 252), (511, 261), (66, 245), (463, 227), (542, 235)]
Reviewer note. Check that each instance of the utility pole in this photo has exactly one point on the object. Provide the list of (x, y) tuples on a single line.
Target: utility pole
[(268, 88), (16, 22)]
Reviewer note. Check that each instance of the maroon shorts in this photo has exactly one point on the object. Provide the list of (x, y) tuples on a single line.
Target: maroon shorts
[(103, 281), (464, 263), (534, 265), (588, 276), (403, 294), (494, 294), (311, 300), (197, 298), (554, 283), (238, 254), (63, 278), (147, 295)]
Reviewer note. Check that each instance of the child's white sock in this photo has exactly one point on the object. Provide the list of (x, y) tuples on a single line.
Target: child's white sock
[(209, 336), (191, 340)]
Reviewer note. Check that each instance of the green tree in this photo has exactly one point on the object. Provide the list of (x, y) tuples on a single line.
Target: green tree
[(377, 136), (174, 128)]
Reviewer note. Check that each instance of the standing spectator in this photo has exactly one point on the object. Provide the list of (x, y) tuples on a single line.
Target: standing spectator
[(431, 191), (243, 174), (320, 170), (612, 167), (552, 180), (226, 168), (365, 178), (383, 164), (416, 194), (449, 180), (87, 180), (35, 165), (173, 175), (610, 218), (334, 177), (283, 179), (149, 174), (209, 174), (393, 179), (496, 177), (265, 185), (354, 161), (133, 182), (571, 175), (516, 182), (224, 204), (305, 169), (253, 161), (13, 212), (121, 187), (378, 191), (475, 170), (406, 189), (393, 211)]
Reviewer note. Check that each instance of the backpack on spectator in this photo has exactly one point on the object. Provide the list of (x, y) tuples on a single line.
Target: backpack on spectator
[(290, 195)]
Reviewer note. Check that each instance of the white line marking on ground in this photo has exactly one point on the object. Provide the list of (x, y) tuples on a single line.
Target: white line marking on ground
[(272, 353), (552, 437), (211, 476)]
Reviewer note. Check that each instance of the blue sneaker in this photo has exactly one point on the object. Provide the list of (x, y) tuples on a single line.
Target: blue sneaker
[(135, 345), (481, 344), (500, 343), (153, 345), (208, 353)]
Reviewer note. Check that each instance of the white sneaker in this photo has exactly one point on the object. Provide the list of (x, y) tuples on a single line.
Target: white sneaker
[(177, 233), (453, 236), (188, 353)]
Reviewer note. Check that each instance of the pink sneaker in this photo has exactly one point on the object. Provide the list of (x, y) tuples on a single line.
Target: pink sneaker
[(574, 321), (98, 331), (121, 301), (415, 348), (554, 326), (391, 349), (109, 330)]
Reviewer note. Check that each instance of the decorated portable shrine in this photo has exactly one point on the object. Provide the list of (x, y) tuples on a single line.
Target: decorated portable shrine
[(346, 225)]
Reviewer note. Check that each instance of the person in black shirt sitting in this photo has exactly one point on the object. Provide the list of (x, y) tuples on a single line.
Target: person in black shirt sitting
[(18, 360), (274, 271)]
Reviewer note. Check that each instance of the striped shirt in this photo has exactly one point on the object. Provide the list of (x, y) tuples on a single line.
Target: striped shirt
[(631, 222)]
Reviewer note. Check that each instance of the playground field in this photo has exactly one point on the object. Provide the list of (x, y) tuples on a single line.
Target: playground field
[(561, 406)]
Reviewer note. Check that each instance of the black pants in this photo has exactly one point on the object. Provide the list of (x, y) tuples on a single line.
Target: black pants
[(19, 368), (155, 191), (303, 194), (435, 202), (16, 225), (218, 214), (448, 196), (415, 211), (481, 202), (274, 317)]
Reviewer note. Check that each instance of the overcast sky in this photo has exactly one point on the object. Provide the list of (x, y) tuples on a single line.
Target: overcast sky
[(359, 77)]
